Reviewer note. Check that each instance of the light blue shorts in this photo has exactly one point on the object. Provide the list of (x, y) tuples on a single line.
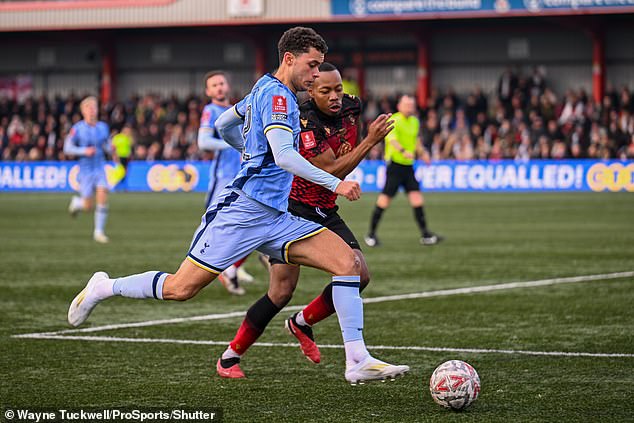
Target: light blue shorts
[(216, 187), (91, 180), (236, 225)]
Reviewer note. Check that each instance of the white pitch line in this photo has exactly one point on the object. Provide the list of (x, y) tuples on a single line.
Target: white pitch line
[(203, 317), (498, 287), (425, 294), (330, 346)]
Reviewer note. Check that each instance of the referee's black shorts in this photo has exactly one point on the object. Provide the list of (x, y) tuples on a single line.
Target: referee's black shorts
[(328, 218), (397, 176)]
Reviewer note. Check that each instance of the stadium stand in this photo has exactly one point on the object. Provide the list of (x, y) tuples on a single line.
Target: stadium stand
[(532, 122)]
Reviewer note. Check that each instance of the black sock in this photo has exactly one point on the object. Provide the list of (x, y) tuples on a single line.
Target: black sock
[(327, 294), (376, 216), (228, 362), (419, 216), (262, 312)]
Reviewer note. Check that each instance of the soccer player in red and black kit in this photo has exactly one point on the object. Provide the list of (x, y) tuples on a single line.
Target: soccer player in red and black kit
[(329, 140)]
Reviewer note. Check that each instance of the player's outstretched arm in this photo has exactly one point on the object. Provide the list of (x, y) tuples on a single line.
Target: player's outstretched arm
[(281, 142), (342, 166), (207, 141), (229, 126), (72, 149)]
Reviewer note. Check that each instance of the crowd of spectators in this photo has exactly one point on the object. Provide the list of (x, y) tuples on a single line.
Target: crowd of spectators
[(523, 120), (163, 129)]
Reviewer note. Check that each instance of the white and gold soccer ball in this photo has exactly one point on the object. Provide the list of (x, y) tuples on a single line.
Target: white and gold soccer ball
[(454, 384)]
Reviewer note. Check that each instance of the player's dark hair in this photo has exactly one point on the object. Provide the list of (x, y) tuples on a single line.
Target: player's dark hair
[(327, 67), (88, 98), (211, 74), (299, 40)]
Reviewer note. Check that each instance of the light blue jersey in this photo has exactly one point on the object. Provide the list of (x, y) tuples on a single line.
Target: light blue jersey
[(251, 213), (226, 163), (270, 104), (91, 168)]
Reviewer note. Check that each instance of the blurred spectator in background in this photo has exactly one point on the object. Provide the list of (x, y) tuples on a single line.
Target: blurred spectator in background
[(507, 85)]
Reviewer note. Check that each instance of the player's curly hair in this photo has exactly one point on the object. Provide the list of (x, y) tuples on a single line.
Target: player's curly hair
[(299, 40)]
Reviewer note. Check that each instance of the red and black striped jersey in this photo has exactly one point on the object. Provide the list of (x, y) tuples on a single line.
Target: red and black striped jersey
[(319, 133)]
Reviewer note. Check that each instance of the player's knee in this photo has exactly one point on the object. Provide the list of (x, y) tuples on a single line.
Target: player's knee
[(415, 199), (383, 201), (348, 264)]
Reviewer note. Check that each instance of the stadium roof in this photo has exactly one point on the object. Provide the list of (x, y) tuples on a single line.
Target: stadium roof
[(41, 15)]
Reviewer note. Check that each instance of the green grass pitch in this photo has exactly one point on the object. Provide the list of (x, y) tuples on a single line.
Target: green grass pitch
[(46, 257)]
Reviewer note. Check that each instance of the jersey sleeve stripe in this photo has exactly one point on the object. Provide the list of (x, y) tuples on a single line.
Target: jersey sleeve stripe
[(237, 113), (278, 126)]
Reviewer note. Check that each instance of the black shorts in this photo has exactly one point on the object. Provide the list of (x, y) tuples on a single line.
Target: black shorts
[(328, 218), (397, 176)]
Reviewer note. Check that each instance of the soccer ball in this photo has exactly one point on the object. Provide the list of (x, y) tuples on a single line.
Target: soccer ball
[(454, 384)]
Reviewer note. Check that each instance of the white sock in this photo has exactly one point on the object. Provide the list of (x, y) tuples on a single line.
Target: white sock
[(299, 319), (355, 352), (104, 290), (143, 285), (231, 272), (101, 215), (229, 353), (349, 307)]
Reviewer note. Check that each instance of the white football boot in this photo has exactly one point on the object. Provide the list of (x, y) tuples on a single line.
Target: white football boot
[(231, 284), (244, 276), (87, 299), (100, 237), (75, 206), (373, 369)]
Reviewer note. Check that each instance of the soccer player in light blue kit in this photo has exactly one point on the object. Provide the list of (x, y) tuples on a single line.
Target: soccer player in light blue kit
[(89, 140), (251, 213), (226, 162)]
